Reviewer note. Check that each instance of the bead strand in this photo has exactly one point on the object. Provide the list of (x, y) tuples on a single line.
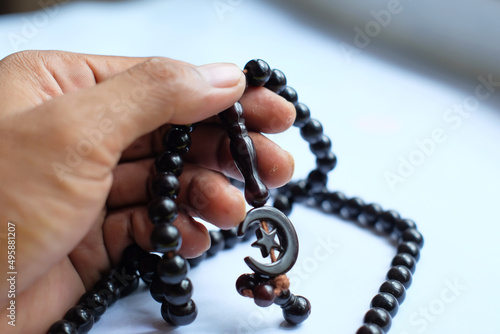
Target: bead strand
[(384, 305), (263, 289), (399, 277), (120, 282), (167, 275)]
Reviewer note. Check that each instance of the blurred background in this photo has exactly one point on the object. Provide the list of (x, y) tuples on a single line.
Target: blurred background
[(384, 77), (19, 6), (456, 36)]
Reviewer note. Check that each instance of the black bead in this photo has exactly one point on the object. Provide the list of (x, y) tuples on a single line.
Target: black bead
[(326, 163), (319, 198), (147, 267), (283, 298), (197, 260), (282, 203), (172, 269), (386, 301), (157, 288), (289, 94), (387, 220), (257, 72), (166, 238), (336, 201), (162, 210), (411, 234), (404, 259), (263, 294), (403, 224), (82, 317), (276, 82), (177, 140), (394, 288), (312, 131), (379, 317), (108, 288), (131, 257), (63, 327), (169, 162), (244, 154), (371, 213), (411, 248), (322, 147), (316, 180), (129, 285), (185, 127), (285, 190), (298, 311), (370, 329), (126, 282), (400, 274), (303, 115), (179, 315), (95, 302), (216, 242), (299, 191), (165, 185), (230, 237), (178, 294), (245, 281), (353, 207)]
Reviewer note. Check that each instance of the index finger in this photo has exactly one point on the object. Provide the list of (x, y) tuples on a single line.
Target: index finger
[(265, 112)]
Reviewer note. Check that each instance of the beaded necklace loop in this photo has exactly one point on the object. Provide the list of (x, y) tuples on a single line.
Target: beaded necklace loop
[(166, 275)]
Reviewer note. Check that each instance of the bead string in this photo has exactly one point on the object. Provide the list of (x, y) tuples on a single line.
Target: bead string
[(264, 287), (166, 276)]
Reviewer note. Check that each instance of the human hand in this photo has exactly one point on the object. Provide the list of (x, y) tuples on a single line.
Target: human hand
[(79, 134)]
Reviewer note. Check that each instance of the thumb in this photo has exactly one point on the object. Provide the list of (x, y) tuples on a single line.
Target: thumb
[(146, 96)]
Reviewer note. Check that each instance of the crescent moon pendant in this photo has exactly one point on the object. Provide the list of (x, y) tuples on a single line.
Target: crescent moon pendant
[(286, 235)]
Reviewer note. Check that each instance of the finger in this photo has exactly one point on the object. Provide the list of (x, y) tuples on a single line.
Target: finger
[(210, 149), (118, 111), (90, 258), (265, 112), (34, 77), (211, 197), (131, 184), (125, 226), (275, 165), (146, 146), (204, 193)]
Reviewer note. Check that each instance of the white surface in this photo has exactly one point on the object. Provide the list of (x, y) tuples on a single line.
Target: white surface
[(374, 112)]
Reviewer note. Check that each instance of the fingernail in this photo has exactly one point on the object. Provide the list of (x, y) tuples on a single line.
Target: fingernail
[(222, 75)]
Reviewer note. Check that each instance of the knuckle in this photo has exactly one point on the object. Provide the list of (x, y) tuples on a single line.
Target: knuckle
[(163, 70), (166, 79), (22, 59)]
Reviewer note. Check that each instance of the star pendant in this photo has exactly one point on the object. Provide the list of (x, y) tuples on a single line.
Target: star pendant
[(265, 241)]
